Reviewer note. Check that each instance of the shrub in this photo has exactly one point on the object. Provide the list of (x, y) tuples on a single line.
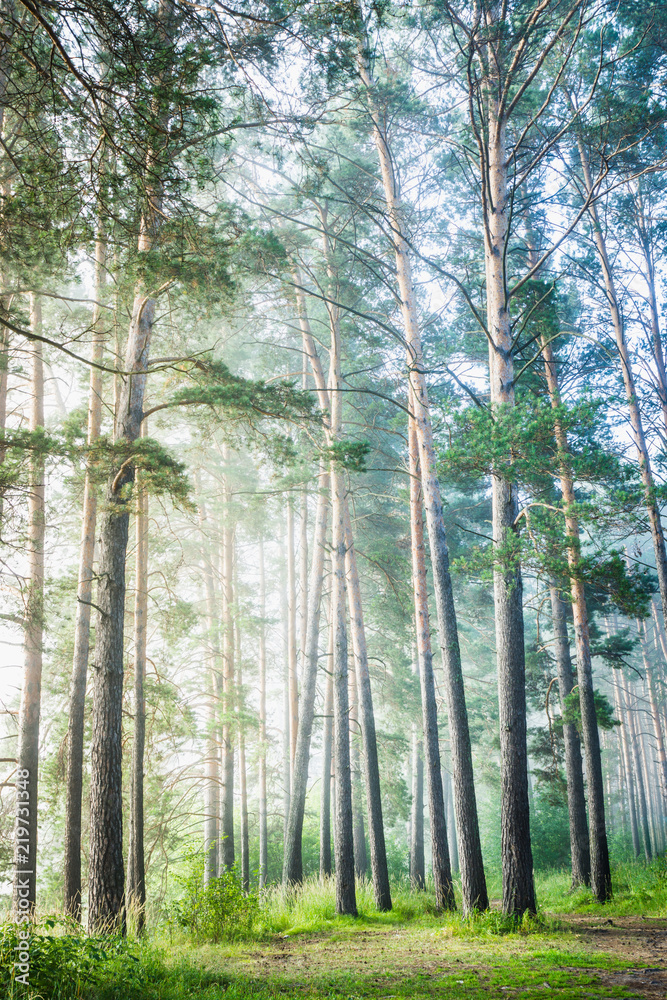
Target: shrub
[(220, 910)]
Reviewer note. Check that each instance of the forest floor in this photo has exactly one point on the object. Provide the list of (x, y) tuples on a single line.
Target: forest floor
[(572, 956)]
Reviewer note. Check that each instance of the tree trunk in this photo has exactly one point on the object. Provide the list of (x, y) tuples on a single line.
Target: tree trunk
[(473, 883), (417, 867), (291, 635), (287, 797), (371, 765), (627, 764), (292, 860), (451, 822), (325, 796), (227, 847), (136, 875), (358, 826), (214, 692), (344, 836), (243, 776), (442, 875), (629, 715), (576, 796), (263, 827), (27, 775), (77, 692), (655, 713), (106, 876)]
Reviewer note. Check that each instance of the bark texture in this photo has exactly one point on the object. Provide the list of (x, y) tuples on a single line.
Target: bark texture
[(27, 775), (576, 796), (136, 872), (442, 875)]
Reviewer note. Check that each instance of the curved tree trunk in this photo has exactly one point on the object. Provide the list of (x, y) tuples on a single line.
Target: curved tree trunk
[(27, 775)]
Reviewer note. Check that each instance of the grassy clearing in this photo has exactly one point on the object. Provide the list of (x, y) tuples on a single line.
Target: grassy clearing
[(298, 948)]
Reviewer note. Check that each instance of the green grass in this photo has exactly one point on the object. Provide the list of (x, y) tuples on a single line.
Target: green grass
[(638, 888), (298, 948)]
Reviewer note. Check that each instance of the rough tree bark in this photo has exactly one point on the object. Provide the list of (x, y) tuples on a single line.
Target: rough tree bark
[(106, 875), (136, 874), (442, 875), (576, 795), (358, 825), (78, 680), (214, 689), (327, 739), (27, 775)]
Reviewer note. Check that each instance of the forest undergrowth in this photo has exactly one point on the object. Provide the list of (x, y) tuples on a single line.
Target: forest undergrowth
[(296, 946)]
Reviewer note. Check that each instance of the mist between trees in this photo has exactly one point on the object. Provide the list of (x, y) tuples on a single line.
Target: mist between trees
[(334, 410)]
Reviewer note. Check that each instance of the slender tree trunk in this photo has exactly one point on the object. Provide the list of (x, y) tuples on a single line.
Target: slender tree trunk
[(291, 635), (325, 795), (627, 764), (600, 870), (292, 859), (517, 858), (243, 776), (27, 775), (655, 713), (106, 875), (77, 693), (136, 875), (473, 882), (629, 715), (227, 852), (4, 386), (287, 784), (442, 875), (417, 866), (214, 692), (576, 796), (358, 826), (343, 837), (263, 827), (451, 822), (371, 765)]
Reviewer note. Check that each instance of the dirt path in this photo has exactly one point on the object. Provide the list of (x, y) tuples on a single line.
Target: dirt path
[(429, 960), (638, 939)]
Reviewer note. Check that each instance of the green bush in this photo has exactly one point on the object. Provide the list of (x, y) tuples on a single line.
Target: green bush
[(221, 910)]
